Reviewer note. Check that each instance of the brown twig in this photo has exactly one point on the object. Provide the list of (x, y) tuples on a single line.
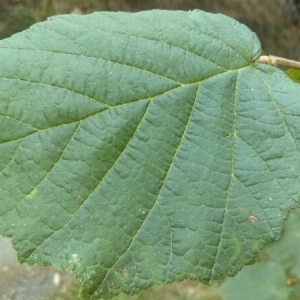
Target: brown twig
[(279, 61)]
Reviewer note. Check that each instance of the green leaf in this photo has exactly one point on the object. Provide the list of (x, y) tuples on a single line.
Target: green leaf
[(286, 250), (294, 74), (263, 281), (144, 148)]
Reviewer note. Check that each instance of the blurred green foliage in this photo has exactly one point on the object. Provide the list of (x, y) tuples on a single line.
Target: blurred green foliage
[(294, 74)]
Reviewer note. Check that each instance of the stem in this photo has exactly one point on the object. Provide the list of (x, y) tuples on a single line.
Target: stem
[(279, 61)]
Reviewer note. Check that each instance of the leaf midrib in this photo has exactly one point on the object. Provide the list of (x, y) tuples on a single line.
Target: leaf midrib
[(108, 107)]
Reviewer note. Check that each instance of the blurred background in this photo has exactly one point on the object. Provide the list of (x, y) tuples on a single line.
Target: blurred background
[(277, 273)]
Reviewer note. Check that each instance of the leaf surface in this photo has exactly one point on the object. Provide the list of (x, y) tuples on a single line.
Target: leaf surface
[(286, 250), (143, 148)]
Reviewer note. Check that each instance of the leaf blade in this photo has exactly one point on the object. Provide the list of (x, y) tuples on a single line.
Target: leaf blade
[(144, 145)]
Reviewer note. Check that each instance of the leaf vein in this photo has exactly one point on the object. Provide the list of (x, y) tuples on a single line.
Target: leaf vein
[(162, 185), (232, 175)]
